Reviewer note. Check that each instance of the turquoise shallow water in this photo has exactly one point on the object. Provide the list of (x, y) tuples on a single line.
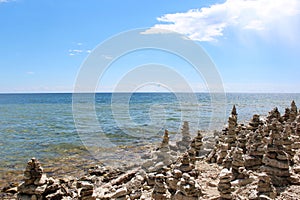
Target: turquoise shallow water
[(42, 125)]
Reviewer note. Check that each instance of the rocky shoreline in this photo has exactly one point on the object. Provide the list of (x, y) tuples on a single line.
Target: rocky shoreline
[(258, 160)]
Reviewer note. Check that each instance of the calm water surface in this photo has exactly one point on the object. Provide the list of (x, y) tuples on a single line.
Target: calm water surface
[(42, 125)]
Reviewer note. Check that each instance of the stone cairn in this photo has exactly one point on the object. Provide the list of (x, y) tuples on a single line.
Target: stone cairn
[(161, 157), (293, 112), (160, 191), (265, 187), (35, 181), (238, 163), (185, 142), (185, 165), (226, 141), (254, 123), (267, 146), (231, 135), (224, 186), (173, 179), (197, 143), (242, 138), (255, 150), (188, 188), (275, 159)]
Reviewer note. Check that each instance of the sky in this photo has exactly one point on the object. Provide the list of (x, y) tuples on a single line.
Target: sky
[(254, 44)]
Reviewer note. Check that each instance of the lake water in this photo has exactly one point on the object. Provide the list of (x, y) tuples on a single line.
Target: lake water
[(42, 125)]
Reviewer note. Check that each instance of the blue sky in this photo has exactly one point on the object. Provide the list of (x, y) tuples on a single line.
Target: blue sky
[(255, 44)]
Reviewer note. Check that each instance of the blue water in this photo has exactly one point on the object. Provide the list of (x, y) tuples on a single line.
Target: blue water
[(42, 125)]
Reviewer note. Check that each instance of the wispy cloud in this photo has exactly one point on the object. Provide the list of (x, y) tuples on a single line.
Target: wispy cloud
[(79, 50), (209, 23)]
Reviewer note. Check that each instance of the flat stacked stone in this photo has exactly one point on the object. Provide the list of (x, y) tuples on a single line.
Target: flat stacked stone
[(265, 187), (237, 163), (185, 166), (224, 185), (255, 149), (231, 136), (275, 159), (274, 114), (160, 191), (221, 152), (195, 147), (185, 142), (188, 189), (254, 123), (242, 138), (197, 143), (286, 115), (288, 141), (35, 181), (294, 112), (173, 180)]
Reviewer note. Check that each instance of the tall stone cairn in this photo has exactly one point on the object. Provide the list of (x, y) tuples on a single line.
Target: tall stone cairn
[(232, 125), (275, 159), (293, 112), (185, 142), (255, 149)]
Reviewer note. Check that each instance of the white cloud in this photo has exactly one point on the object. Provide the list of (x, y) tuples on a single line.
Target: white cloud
[(73, 52), (209, 23), (78, 49), (30, 73)]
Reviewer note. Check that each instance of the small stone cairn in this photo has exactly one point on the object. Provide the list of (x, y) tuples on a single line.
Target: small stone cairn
[(224, 186), (188, 188), (160, 191), (265, 187), (238, 163), (161, 157), (35, 182), (185, 165)]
